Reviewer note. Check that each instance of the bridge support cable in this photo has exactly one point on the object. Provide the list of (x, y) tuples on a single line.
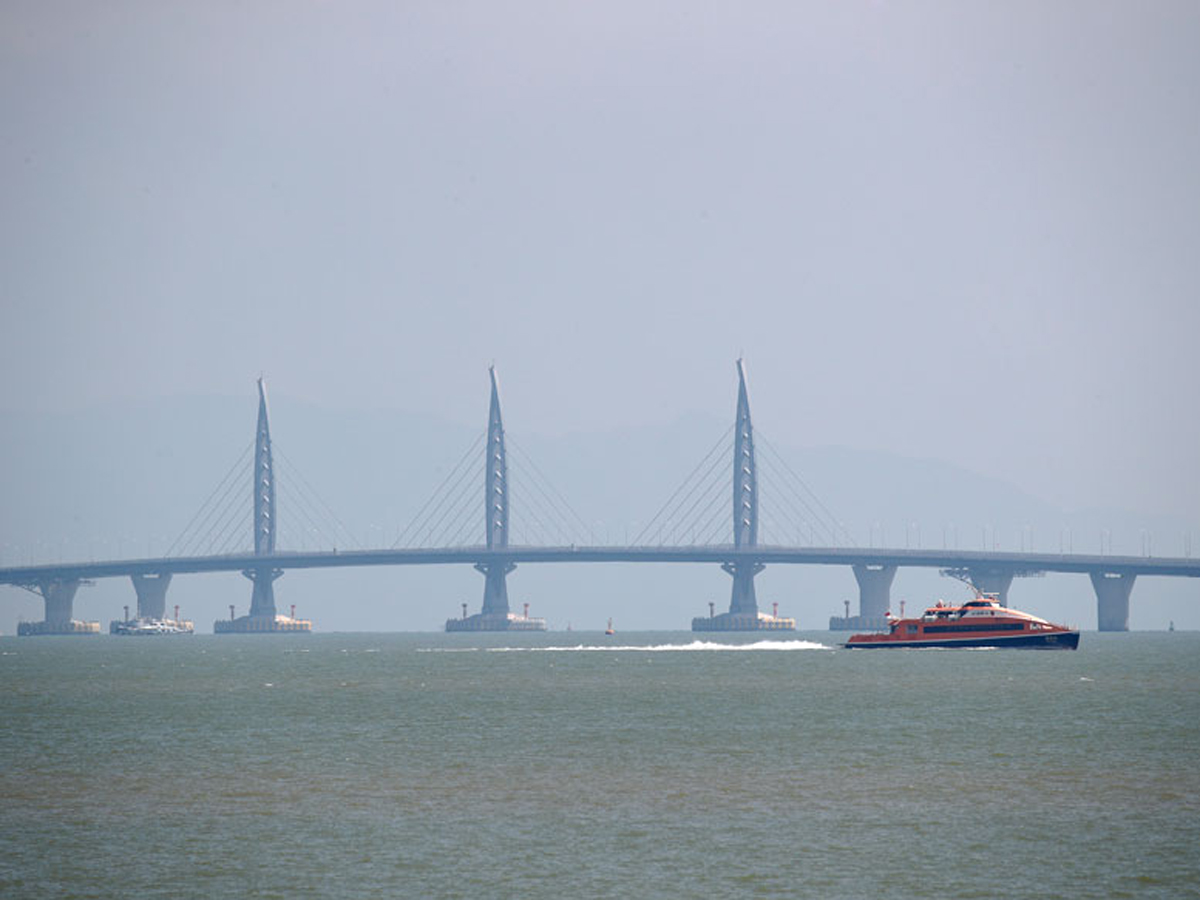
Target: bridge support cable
[(229, 526), (418, 529), (669, 519), (715, 528), (557, 514), (457, 516), (788, 504), (198, 522), (458, 519), (785, 516), (231, 537), (462, 525), (300, 521), (709, 504), (705, 503), (792, 489), (297, 491)]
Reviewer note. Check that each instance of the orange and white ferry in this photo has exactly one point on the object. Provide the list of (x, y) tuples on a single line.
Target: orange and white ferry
[(981, 622)]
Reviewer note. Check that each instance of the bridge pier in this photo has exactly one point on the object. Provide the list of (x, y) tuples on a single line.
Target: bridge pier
[(991, 582), (495, 615), (262, 618), (1112, 599), (874, 600), (742, 600), (495, 587), (58, 596), (151, 593), (262, 597), (743, 612), (151, 618), (874, 590)]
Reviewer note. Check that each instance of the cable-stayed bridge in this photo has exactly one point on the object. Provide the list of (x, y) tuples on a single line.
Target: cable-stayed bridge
[(740, 488)]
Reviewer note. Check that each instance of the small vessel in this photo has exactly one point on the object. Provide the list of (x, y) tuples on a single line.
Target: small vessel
[(140, 627), (609, 629), (981, 622)]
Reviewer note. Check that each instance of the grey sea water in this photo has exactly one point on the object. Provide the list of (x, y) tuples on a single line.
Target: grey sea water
[(640, 765)]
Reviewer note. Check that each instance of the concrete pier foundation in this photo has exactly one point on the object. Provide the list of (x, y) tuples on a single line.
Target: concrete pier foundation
[(992, 582), (59, 599), (263, 619), (495, 615), (743, 612), (1112, 600), (151, 593)]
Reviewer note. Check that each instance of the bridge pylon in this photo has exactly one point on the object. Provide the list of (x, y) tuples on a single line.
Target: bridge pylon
[(743, 612), (495, 615), (262, 618)]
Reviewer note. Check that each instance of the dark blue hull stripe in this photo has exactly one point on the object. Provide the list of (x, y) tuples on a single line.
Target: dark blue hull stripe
[(1061, 640)]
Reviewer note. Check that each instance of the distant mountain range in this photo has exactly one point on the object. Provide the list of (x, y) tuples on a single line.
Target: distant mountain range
[(125, 481)]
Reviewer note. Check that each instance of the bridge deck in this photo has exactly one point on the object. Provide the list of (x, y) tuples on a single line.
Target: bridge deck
[(1016, 563)]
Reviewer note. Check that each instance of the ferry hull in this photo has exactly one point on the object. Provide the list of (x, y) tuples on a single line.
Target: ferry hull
[(1055, 640)]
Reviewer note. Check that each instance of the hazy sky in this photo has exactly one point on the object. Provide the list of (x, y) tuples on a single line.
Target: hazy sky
[(962, 231)]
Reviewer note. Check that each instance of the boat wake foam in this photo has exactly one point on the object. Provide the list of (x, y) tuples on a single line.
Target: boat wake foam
[(641, 648)]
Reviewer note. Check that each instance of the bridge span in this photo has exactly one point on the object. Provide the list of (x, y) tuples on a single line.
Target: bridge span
[(738, 551), (993, 571)]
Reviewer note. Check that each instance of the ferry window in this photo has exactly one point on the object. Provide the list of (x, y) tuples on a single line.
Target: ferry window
[(912, 629)]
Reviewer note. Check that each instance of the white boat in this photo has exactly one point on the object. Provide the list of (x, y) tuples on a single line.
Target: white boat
[(140, 627)]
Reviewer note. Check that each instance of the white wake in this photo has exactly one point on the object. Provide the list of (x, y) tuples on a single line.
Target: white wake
[(642, 648)]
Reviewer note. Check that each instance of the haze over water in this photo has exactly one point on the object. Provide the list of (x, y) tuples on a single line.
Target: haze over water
[(647, 765)]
